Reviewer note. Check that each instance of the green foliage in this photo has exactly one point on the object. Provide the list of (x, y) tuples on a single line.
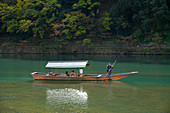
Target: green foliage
[(147, 39), (66, 7), (166, 36), (107, 22), (87, 42), (86, 6), (147, 16), (135, 20), (29, 16), (138, 35), (158, 39), (74, 25), (24, 25), (76, 22)]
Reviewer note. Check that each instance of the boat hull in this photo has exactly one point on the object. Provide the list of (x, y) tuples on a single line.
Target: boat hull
[(44, 76)]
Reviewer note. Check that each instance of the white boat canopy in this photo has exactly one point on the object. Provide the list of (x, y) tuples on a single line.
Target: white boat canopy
[(66, 64)]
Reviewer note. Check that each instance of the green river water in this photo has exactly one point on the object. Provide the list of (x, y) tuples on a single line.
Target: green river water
[(145, 92)]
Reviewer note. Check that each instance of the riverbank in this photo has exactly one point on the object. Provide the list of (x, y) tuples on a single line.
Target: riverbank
[(11, 45), (85, 50)]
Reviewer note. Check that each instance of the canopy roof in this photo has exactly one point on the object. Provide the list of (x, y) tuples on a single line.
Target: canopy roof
[(66, 64)]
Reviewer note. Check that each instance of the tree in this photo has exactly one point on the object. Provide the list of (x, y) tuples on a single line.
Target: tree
[(33, 17), (73, 27), (87, 7), (76, 22), (107, 21), (147, 16)]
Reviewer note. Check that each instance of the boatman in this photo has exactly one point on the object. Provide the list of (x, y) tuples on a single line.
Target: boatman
[(109, 69)]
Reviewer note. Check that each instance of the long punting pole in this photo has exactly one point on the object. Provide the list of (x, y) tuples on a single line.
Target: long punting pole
[(77, 72), (110, 68)]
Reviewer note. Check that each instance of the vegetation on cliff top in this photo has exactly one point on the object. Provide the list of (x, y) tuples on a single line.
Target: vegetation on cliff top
[(129, 21)]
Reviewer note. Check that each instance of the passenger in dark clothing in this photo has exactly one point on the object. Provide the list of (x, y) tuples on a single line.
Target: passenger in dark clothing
[(67, 73), (73, 74)]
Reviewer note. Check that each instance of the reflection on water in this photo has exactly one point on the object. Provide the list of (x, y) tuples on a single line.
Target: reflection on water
[(67, 96), (48, 82), (74, 99)]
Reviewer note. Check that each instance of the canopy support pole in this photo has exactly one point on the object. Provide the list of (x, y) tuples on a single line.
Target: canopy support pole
[(49, 70), (77, 72), (53, 70)]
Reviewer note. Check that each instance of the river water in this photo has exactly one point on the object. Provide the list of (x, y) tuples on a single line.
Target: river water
[(146, 92)]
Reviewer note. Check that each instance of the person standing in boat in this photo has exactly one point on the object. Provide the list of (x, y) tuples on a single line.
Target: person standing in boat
[(109, 69)]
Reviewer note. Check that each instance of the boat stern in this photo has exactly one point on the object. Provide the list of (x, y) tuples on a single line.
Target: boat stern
[(36, 75)]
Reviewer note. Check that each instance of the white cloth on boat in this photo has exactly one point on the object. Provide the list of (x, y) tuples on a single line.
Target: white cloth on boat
[(81, 71)]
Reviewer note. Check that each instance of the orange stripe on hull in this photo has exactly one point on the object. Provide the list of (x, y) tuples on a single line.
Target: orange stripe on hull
[(69, 78), (119, 77), (72, 78)]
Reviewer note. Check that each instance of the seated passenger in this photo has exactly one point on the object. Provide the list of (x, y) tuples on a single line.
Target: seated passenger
[(81, 75), (67, 73), (73, 74)]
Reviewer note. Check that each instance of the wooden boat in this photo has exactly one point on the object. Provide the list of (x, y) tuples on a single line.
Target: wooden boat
[(78, 77)]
